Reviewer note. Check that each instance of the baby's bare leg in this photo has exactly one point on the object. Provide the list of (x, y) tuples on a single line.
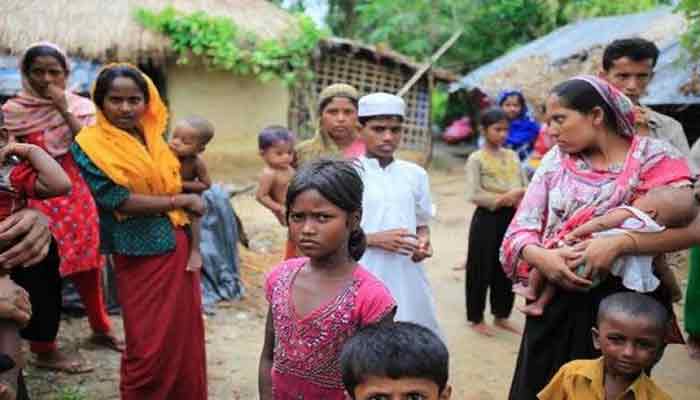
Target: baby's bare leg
[(195, 261), (535, 282), (536, 308)]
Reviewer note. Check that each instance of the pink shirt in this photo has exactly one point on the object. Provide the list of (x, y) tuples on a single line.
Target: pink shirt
[(305, 363), (356, 149)]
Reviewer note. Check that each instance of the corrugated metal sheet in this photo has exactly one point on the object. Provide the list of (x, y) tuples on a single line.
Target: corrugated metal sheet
[(671, 72), (82, 75)]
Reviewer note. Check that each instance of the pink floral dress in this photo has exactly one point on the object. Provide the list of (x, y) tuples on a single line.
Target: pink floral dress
[(305, 364)]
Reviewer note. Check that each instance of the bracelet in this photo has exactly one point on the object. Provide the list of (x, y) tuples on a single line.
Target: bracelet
[(172, 202), (634, 242)]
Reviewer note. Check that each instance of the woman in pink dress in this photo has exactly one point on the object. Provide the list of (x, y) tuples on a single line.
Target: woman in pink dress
[(598, 163), (317, 302)]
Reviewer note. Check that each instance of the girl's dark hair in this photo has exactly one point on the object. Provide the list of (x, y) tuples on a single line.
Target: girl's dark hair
[(491, 116), (581, 96), (108, 75), (43, 51), (395, 350), (338, 182), (325, 102)]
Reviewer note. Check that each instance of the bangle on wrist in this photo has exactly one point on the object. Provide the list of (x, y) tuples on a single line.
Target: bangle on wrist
[(635, 246), (172, 202)]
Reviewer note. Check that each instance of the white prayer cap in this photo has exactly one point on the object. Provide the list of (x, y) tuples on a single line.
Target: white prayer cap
[(381, 104)]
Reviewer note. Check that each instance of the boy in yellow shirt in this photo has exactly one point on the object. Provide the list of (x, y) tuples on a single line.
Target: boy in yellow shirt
[(630, 334)]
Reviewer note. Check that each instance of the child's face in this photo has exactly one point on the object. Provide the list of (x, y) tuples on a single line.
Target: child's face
[(382, 136), (512, 107), (185, 141), (496, 133), (384, 388), (629, 344), (278, 156), (318, 227)]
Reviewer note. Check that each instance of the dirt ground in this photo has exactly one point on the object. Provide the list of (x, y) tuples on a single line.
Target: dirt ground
[(481, 368)]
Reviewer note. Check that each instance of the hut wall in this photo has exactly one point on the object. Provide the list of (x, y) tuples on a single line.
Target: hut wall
[(369, 76), (239, 107)]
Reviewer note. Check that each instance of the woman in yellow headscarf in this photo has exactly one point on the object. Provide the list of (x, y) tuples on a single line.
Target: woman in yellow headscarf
[(336, 135), (136, 183)]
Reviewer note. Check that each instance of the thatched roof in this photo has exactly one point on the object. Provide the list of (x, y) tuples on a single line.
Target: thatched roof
[(381, 54), (568, 51), (106, 29)]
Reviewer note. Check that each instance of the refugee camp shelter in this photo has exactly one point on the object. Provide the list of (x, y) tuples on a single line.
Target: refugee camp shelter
[(577, 49), (371, 69), (97, 32)]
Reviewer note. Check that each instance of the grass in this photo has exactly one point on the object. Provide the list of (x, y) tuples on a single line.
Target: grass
[(71, 393)]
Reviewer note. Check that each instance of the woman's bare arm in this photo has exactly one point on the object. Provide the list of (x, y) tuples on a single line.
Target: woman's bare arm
[(141, 204)]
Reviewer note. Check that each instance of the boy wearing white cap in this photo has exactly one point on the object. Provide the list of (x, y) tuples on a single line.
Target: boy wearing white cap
[(397, 208)]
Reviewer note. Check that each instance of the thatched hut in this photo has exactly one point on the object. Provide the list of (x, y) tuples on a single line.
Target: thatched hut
[(568, 51), (106, 31), (372, 69)]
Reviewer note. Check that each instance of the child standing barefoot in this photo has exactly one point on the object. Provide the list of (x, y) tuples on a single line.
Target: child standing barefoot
[(276, 145), (189, 140), (496, 184), (318, 302)]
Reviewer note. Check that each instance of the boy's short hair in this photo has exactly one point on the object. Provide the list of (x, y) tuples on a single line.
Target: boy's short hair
[(635, 304), (364, 120), (273, 134), (204, 128), (394, 350), (637, 49)]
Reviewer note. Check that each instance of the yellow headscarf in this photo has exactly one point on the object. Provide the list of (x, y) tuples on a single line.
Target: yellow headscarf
[(151, 169), (321, 145)]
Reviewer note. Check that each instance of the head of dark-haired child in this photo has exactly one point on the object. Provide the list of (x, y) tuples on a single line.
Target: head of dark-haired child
[(121, 93), (578, 117), (190, 137), (494, 126), (324, 209), (276, 147), (630, 333), (46, 70), (513, 105), (395, 361), (628, 64)]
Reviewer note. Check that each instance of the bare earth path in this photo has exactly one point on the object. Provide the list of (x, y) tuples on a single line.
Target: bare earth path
[(481, 368)]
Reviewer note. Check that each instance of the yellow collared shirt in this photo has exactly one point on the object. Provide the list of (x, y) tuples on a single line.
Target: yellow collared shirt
[(583, 380)]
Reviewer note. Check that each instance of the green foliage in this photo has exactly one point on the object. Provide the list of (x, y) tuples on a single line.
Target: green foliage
[(223, 45), (690, 39), (491, 27), (71, 393), (438, 105)]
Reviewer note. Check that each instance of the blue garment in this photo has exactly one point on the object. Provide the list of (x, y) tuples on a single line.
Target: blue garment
[(219, 248), (523, 130)]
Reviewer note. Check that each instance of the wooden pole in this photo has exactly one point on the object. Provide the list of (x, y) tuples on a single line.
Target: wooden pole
[(430, 63)]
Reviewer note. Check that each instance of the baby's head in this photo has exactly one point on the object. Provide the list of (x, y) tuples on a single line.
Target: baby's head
[(395, 360), (191, 136), (276, 145), (671, 207), (630, 333)]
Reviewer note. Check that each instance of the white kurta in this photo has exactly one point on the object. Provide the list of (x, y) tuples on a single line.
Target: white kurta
[(398, 196)]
